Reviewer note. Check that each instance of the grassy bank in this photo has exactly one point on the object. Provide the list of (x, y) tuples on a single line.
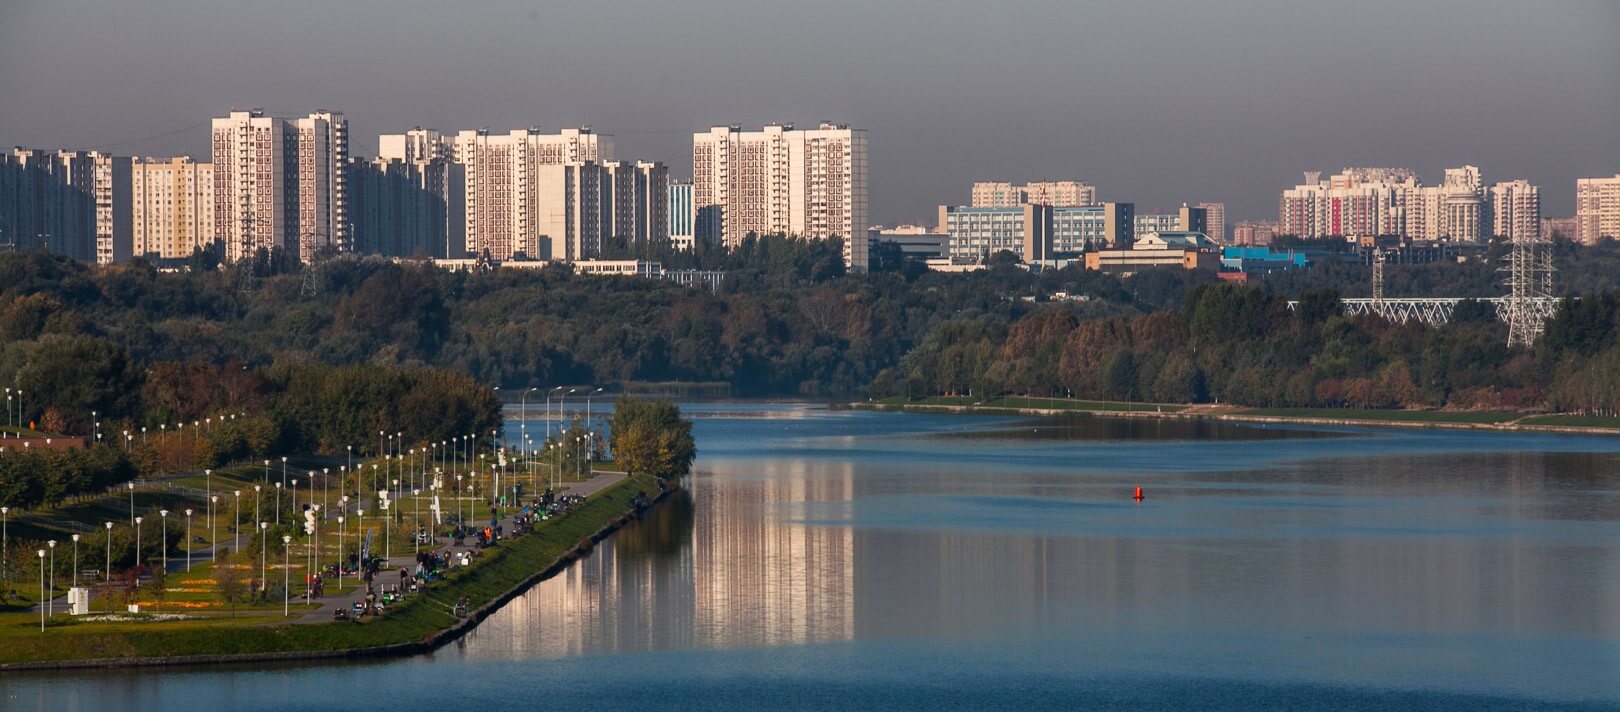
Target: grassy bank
[(414, 620), (1411, 418)]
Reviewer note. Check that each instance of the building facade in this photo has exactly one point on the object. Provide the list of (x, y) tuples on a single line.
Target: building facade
[(977, 234), (1597, 209), (1056, 193), (1215, 221), (1515, 210), (634, 201), (1357, 201), (51, 200), (1087, 228), (172, 207), (281, 184), (782, 181), (682, 218), (502, 187), (1254, 232)]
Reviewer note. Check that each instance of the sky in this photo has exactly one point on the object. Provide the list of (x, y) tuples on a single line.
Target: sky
[(1156, 102)]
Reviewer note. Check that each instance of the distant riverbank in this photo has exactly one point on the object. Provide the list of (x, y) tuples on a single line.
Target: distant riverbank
[(1464, 420)]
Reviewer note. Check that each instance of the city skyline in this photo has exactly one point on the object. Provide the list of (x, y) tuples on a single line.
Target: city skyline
[(1271, 98)]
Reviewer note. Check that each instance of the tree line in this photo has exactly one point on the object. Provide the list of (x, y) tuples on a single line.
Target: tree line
[(1242, 345)]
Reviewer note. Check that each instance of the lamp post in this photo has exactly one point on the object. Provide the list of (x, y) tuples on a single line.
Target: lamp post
[(236, 523), (131, 485), (340, 547), (213, 530), (41, 553), (208, 484), (109, 551), (463, 526), (286, 565), (359, 536), (165, 514), (188, 540), (326, 479), (283, 476), (257, 495), (416, 520), (267, 472), (263, 546), (5, 537), (588, 408), (75, 560), (278, 504), (138, 545), (388, 519), (50, 596)]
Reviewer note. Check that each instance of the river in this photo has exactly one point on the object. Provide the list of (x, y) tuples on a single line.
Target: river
[(859, 560)]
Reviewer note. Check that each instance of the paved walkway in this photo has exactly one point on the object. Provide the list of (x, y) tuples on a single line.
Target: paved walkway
[(389, 574), (348, 598)]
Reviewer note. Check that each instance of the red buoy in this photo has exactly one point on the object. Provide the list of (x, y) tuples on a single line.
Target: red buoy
[(1138, 496)]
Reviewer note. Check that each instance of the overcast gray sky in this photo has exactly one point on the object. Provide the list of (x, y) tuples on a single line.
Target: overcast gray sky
[(1155, 102)]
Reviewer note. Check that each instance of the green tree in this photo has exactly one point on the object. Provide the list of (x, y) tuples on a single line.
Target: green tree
[(651, 436)]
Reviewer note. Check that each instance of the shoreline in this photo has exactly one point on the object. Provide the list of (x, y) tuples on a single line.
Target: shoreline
[(428, 644), (1230, 417)]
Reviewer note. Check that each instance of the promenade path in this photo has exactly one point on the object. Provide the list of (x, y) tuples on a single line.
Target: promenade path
[(407, 559), (389, 573)]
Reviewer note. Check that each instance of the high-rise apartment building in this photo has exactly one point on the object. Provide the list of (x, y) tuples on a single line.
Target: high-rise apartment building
[(1215, 220), (1515, 210), (682, 218), (281, 184), (1357, 201), (56, 200), (1254, 232), (568, 212), (111, 193), (172, 207), (503, 183), (1559, 227), (635, 202), (782, 181), (1056, 193), (414, 197), (1597, 209)]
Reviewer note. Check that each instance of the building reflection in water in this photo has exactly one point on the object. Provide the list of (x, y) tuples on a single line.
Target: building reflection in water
[(743, 569)]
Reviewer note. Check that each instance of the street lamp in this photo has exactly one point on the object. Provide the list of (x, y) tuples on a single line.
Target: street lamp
[(109, 551), (213, 530), (588, 407), (340, 547), (75, 560), (131, 485), (523, 415), (286, 565), (236, 523), (50, 600), (188, 540), (257, 495), (5, 539), (416, 519), (264, 545), (165, 514), (138, 545), (41, 553), (359, 536)]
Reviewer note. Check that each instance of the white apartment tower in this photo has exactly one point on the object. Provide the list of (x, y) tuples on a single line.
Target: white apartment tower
[(1597, 209), (1516, 210), (782, 181), (172, 207), (503, 188), (280, 184)]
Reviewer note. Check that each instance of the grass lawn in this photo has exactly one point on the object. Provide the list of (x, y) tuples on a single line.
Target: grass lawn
[(1576, 421), (413, 620), (1400, 416)]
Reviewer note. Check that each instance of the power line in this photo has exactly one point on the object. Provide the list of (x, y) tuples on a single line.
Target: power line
[(153, 137)]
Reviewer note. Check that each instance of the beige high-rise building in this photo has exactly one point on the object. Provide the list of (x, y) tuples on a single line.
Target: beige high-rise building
[(1597, 209), (1516, 210), (280, 184), (1357, 201), (1214, 221), (112, 200), (782, 181), (502, 190), (172, 207), (1056, 193)]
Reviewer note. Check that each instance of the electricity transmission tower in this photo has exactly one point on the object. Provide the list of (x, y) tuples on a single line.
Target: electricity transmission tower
[(1529, 281), (1377, 276)]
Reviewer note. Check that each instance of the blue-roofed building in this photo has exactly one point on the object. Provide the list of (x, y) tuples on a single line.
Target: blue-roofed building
[(1249, 259)]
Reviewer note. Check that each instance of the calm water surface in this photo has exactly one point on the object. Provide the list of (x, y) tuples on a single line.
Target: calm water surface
[(866, 560)]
